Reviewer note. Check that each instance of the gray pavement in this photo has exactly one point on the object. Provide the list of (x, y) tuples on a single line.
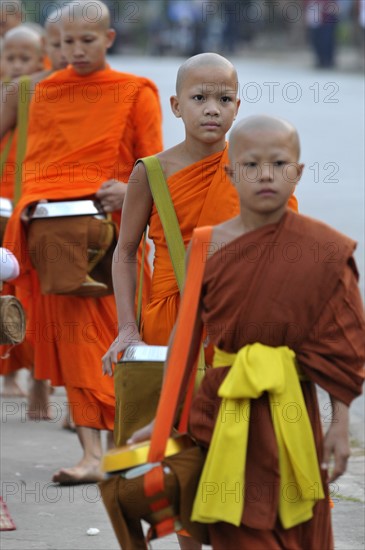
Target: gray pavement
[(48, 516)]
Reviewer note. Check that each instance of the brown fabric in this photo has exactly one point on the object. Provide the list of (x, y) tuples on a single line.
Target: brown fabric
[(126, 503), (62, 250), (288, 295)]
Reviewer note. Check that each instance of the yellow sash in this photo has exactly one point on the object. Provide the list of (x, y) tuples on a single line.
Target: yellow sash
[(255, 369)]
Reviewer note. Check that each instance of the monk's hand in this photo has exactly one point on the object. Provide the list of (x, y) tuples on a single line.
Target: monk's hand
[(111, 195), (128, 335), (336, 441), (144, 434)]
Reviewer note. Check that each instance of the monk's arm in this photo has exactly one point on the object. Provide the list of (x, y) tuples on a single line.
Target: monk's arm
[(333, 356), (9, 107), (336, 441), (135, 216), (147, 124)]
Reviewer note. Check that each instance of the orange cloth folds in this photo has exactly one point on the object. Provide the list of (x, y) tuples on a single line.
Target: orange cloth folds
[(82, 132), (202, 194)]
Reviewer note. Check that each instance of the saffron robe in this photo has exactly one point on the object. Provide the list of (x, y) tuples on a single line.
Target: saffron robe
[(13, 358), (82, 131), (288, 284), (202, 194)]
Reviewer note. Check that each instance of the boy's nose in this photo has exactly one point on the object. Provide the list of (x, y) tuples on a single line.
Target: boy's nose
[(266, 171), (78, 50), (211, 107)]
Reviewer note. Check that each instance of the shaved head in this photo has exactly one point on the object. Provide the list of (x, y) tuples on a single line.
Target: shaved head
[(263, 124), (89, 11), (23, 33), (53, 18), (213, 60)]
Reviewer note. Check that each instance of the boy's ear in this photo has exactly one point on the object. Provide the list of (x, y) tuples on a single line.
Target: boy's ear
[(237, 108), (175, 105), (110, 35), (300, 169)]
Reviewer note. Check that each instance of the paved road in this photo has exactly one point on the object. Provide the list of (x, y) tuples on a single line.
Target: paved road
[(328, 109), (57, 518)]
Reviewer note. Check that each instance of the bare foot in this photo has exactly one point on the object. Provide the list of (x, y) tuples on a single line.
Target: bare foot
[(11, 387), (85, 472), (38, 401)]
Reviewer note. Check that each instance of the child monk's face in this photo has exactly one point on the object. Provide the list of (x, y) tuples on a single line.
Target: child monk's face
[(264, 168), (53, 47), (207, 102), (84, 44), (21, 57)]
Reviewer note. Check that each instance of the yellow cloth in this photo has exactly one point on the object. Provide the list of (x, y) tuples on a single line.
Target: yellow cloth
[(255, 369)]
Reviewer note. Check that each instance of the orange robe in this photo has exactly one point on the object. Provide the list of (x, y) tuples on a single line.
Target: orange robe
[(273, 286), (202, 194), (82, 131), (12, 358)]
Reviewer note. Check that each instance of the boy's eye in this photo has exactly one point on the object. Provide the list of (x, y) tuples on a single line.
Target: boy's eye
[(250, 164), (198, 97), (226, 99), (279, 163)]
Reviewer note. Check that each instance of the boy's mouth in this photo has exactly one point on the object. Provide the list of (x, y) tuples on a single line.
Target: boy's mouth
[(266, 191)]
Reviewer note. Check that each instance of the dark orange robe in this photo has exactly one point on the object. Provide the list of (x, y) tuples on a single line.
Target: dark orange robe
[(82, 131), (202, 194), (281, 285)]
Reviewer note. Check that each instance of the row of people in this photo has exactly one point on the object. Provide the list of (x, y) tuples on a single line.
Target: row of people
[(108, 136)]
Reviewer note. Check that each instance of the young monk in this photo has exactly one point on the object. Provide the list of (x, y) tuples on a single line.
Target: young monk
[(22, 54), (284, 312), (199, 188), (22, 355), (83, 146), (206, 101), (10, 92)]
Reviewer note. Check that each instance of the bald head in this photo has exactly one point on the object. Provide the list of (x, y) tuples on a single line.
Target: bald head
[(53, 18), (22, 52), (262, 124), (24, 34), (199, 61), (88, 11)]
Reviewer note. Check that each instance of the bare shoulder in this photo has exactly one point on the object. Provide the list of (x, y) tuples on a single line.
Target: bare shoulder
[(224, 233), (138, 181), (173, 159)]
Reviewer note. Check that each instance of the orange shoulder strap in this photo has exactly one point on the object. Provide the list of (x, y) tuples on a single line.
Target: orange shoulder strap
[(179, 352)]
